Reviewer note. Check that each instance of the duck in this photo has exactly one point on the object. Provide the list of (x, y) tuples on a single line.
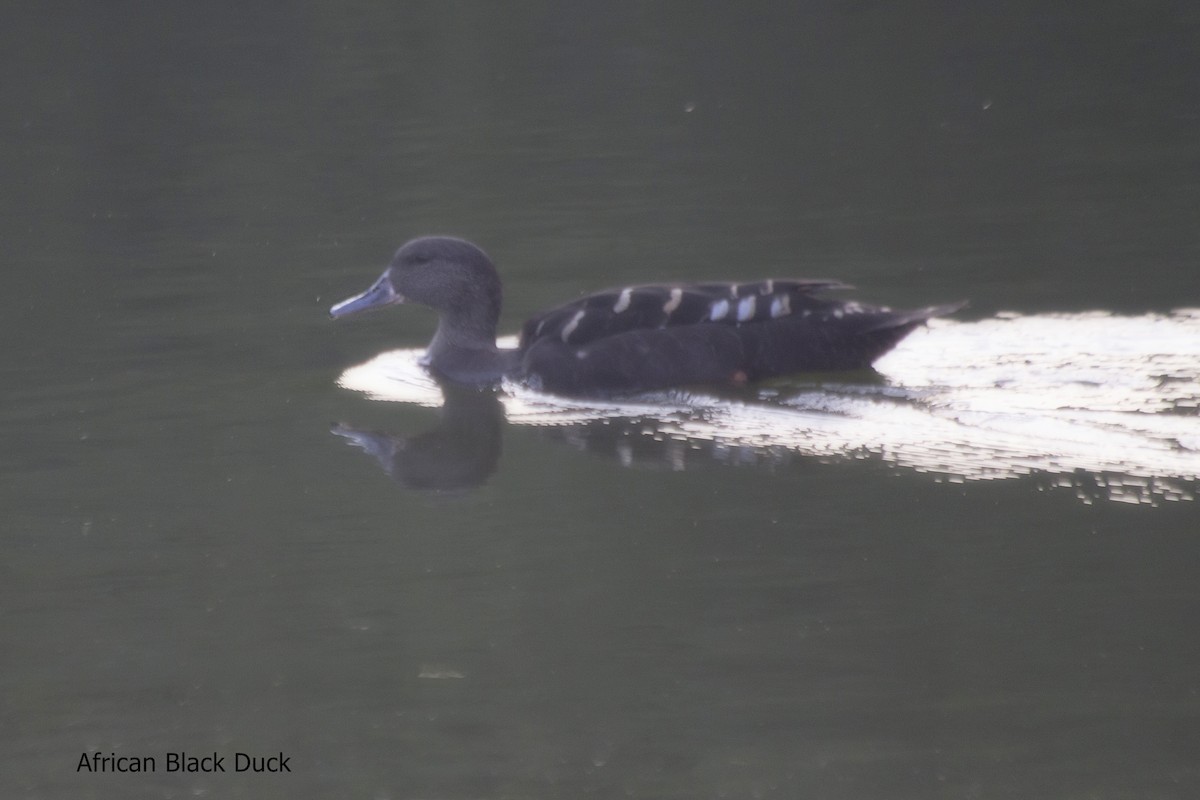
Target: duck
[(633, 339)]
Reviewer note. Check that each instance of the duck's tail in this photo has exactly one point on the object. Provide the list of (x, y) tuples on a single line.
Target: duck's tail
[(910, 319)]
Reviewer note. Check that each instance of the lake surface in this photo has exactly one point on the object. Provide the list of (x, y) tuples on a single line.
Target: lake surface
[(233, 526)]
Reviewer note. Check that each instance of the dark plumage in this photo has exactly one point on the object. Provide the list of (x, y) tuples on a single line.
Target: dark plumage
[(635, 338)]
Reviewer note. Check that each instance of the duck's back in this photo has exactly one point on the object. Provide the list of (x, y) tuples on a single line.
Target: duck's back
[(651, 337), (656, 306)]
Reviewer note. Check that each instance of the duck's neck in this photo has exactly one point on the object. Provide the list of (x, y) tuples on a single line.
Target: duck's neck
[(465, 351)]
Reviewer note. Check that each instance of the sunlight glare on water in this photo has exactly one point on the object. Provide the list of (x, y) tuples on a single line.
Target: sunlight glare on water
[(1091, 399)]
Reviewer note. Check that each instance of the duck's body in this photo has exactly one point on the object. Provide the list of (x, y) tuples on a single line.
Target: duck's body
[(636, 338)]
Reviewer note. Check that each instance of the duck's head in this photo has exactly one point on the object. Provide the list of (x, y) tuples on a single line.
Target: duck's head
[(451, 276)]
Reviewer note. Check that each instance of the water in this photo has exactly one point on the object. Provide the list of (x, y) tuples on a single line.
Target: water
[(970, 575)]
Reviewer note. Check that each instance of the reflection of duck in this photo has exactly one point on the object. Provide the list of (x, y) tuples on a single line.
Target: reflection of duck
[(460, 452), (634, 338)]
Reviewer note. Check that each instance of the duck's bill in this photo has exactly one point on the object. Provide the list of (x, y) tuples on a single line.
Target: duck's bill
[(378, 296)]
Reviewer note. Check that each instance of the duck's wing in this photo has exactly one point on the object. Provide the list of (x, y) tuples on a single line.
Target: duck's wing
[(658, 306), (835, 337)]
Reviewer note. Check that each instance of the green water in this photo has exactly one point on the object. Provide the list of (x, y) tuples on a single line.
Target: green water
[(194, 563)]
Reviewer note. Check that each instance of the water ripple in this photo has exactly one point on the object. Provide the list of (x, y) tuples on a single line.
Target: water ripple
[(1108, 405)]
